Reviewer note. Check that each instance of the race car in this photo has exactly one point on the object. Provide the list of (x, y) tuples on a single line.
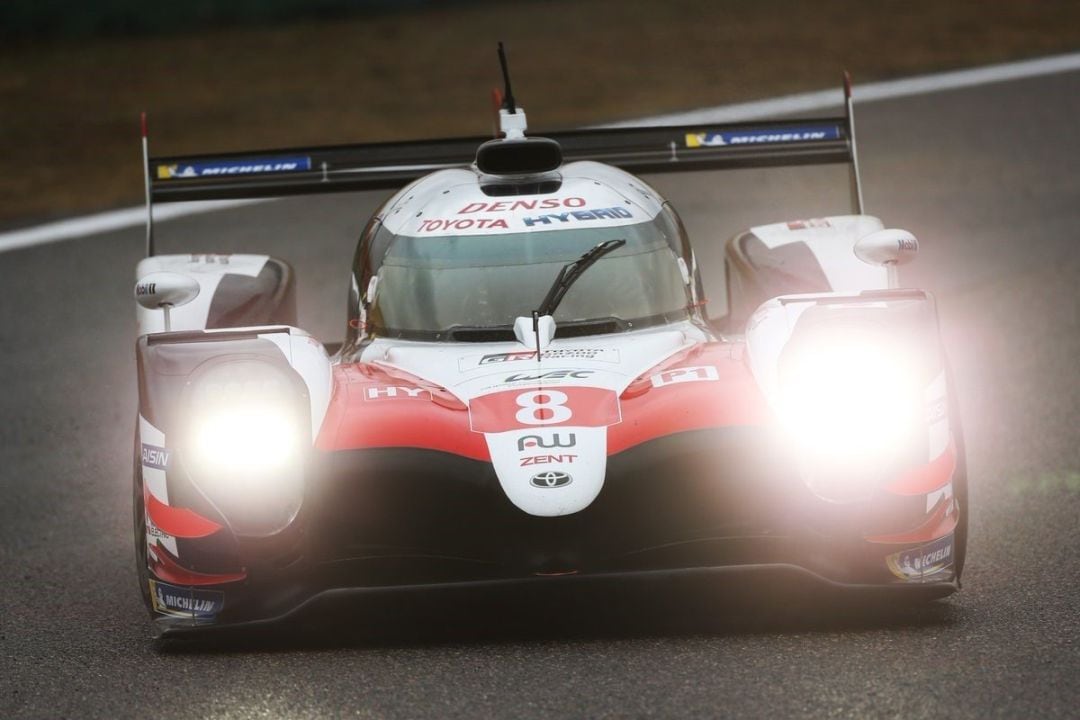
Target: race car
[(529, 389)]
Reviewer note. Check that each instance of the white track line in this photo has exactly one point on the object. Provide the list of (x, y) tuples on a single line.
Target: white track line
[(870, 92), (786, 105), (109, 221)]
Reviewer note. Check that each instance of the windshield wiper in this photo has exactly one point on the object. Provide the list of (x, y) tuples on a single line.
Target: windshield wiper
[(570, 273), (567, 276)]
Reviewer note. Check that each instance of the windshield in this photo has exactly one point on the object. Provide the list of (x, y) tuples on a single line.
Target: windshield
[(431, 285)]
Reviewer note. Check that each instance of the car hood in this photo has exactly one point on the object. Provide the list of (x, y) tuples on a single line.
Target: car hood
[(545, 421)]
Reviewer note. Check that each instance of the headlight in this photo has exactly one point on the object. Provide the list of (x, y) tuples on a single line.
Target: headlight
[(241, 441), (850, 401), (246, 434)]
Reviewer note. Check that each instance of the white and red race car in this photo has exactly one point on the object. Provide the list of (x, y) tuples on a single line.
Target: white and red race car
[(529, 391)]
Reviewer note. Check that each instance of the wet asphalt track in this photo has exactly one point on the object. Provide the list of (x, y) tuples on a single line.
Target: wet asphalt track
[(986, 177)]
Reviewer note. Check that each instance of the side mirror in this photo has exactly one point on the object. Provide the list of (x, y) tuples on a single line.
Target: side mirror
[(165, 288), (887, 248)]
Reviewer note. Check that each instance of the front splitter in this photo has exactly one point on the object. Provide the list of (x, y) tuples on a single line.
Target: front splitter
[(735, 576)]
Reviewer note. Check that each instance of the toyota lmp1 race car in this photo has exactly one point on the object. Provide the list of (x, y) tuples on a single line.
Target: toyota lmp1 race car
[(529, 390)]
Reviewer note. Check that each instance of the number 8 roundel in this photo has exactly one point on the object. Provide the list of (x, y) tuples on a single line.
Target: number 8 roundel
[(541, 407)]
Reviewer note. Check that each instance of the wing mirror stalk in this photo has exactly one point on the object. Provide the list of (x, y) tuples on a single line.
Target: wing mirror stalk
[(165, 290), (889, 249)]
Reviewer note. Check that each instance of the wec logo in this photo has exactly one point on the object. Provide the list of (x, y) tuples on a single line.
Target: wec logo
[(551, 375)]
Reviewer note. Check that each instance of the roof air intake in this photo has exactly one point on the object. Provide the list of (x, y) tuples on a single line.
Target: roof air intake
[(527, 156)]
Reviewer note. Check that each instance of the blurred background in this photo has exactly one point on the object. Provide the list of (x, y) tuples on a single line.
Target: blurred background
[(985, 176), (221, 75)]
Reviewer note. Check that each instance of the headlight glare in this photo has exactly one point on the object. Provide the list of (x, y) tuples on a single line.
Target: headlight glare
[(850, 401), (245, 440)]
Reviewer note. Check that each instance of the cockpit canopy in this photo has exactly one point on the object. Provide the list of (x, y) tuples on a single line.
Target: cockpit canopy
[(464, 268)]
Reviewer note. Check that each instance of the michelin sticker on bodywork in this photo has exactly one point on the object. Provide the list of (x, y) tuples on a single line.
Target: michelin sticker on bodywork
[(924, 562), (186, 602)]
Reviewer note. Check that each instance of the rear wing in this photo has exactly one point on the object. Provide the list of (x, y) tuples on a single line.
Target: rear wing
[(378, 166)]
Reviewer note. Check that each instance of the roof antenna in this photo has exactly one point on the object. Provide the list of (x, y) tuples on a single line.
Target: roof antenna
[(511, 117), (508, 95)]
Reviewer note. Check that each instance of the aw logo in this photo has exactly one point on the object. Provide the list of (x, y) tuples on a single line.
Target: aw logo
[(532, 442)]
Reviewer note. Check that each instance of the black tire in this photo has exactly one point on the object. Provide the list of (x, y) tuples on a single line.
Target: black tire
[(960, 482), (139, 513)]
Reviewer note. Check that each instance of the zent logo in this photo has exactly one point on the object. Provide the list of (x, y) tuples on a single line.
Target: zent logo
[(547, 460)]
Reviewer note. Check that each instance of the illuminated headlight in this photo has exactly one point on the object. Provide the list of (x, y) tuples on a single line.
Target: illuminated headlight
[(850, 401), (245, 440), (246, 434)]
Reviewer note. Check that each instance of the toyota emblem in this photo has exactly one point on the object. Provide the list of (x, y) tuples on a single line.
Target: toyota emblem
[(551, 479)]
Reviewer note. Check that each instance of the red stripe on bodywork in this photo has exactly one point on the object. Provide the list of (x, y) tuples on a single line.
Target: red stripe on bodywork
[(940, 524), (178, 522), (166, 568), (355, 421), (731, 400), (927, 478), (441, 423)]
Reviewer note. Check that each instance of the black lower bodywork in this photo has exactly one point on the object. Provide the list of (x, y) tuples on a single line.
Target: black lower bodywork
[(725, 503)]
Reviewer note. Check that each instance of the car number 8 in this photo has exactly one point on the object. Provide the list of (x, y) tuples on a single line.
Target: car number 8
[(543, 407)]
